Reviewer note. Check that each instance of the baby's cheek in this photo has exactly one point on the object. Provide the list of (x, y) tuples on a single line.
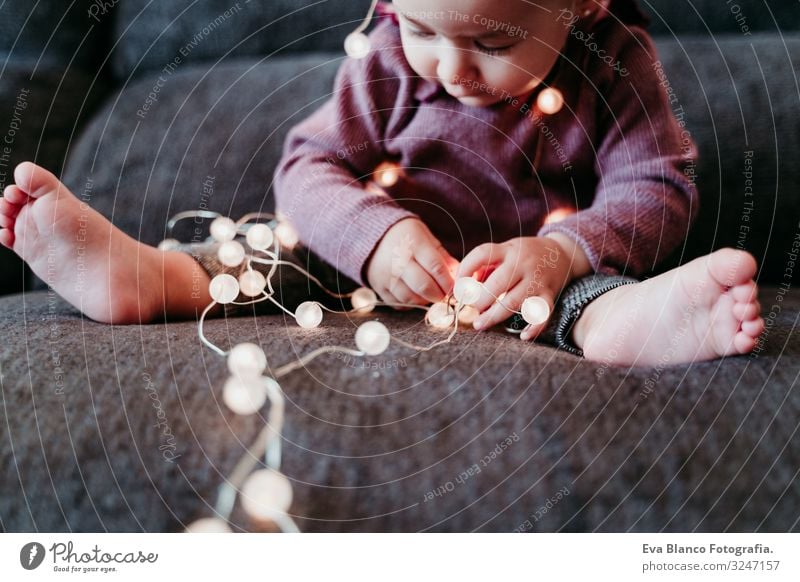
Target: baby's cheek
[(420, 61)]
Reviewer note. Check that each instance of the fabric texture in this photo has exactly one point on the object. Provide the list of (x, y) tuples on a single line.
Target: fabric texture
[(293, 287), (123, 428), (614, 153)]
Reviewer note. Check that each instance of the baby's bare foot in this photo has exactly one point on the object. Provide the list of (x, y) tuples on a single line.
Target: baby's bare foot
[(700, 311), (109, 276)]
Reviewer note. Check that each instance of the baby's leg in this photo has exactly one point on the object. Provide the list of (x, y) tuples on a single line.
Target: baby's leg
[(109, 276), (291, 284), (699, 311)]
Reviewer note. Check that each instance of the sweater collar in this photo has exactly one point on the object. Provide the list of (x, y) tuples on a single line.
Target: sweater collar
[(426, 90)]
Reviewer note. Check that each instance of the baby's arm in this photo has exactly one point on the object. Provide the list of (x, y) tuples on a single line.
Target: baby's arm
[(319, 184), (646, 198)]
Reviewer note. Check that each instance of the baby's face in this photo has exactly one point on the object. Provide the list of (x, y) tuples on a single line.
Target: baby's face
[(482, 51)]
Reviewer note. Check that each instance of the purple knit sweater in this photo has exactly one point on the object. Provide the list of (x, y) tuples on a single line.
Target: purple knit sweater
[(614, 157)]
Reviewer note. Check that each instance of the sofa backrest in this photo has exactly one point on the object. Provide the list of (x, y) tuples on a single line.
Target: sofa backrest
[(149, 34)]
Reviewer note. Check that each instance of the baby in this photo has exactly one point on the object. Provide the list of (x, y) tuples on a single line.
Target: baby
[(532, 141)]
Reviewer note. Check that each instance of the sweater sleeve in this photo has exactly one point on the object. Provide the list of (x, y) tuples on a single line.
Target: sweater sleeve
[(320, 181), (645, 199)]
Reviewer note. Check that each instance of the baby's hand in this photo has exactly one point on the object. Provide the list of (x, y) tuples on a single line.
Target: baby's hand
[(521, 267), (410, 265)]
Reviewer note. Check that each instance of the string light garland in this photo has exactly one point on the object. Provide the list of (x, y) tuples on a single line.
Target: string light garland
[(265, 492), (357, 44)]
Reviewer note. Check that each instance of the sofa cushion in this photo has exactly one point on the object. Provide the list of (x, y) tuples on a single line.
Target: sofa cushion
[(123, 429)]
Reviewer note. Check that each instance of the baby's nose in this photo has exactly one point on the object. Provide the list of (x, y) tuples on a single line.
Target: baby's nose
[(455, 66)]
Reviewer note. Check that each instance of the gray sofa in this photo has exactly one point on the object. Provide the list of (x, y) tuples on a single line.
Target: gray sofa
[(123, 429)]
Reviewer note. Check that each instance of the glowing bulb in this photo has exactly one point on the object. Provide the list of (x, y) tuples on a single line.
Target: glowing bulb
[(357, 45), (535, 310), (266, 494), (550, 101), (308, 314), (440, 315), (467, 315), (247, 361), (557, 215), (372, 338), (260, 237), (244, 395), (208, 525), (364, 300), (387, 174), (231, 253), (286, 235), (467, 290), (252, 283), (169, 244), (223, 229), (224, 289)]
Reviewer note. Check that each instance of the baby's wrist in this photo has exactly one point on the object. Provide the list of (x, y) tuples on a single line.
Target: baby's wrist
[(571, 251)]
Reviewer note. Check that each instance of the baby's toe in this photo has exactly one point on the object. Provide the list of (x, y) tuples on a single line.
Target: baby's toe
[(6, 238), (744, 343), (754, 327), (15, 195), (746, 311), (35, 180), (6, 221), (7, 209), (745, 293)]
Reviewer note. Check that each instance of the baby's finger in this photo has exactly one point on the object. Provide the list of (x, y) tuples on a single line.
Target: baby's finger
[(403, 294), (500, 281), (435, 262), (533, 330), (501, 310), (421, 283), (480, 256)]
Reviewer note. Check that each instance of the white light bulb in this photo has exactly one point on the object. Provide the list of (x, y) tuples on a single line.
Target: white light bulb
[(260, 237), (266, 494), (467, 315), (223, 229), (247, 361), (364, 300), (252, 283), (441, 315), (224, 289), (286, 235), (550, 101), (387, 174), (244, 395), (467, 290), (535, 310), (231, 253), (208, 525), (357, 45), (168, 244), (308, 314), (372, 338)]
